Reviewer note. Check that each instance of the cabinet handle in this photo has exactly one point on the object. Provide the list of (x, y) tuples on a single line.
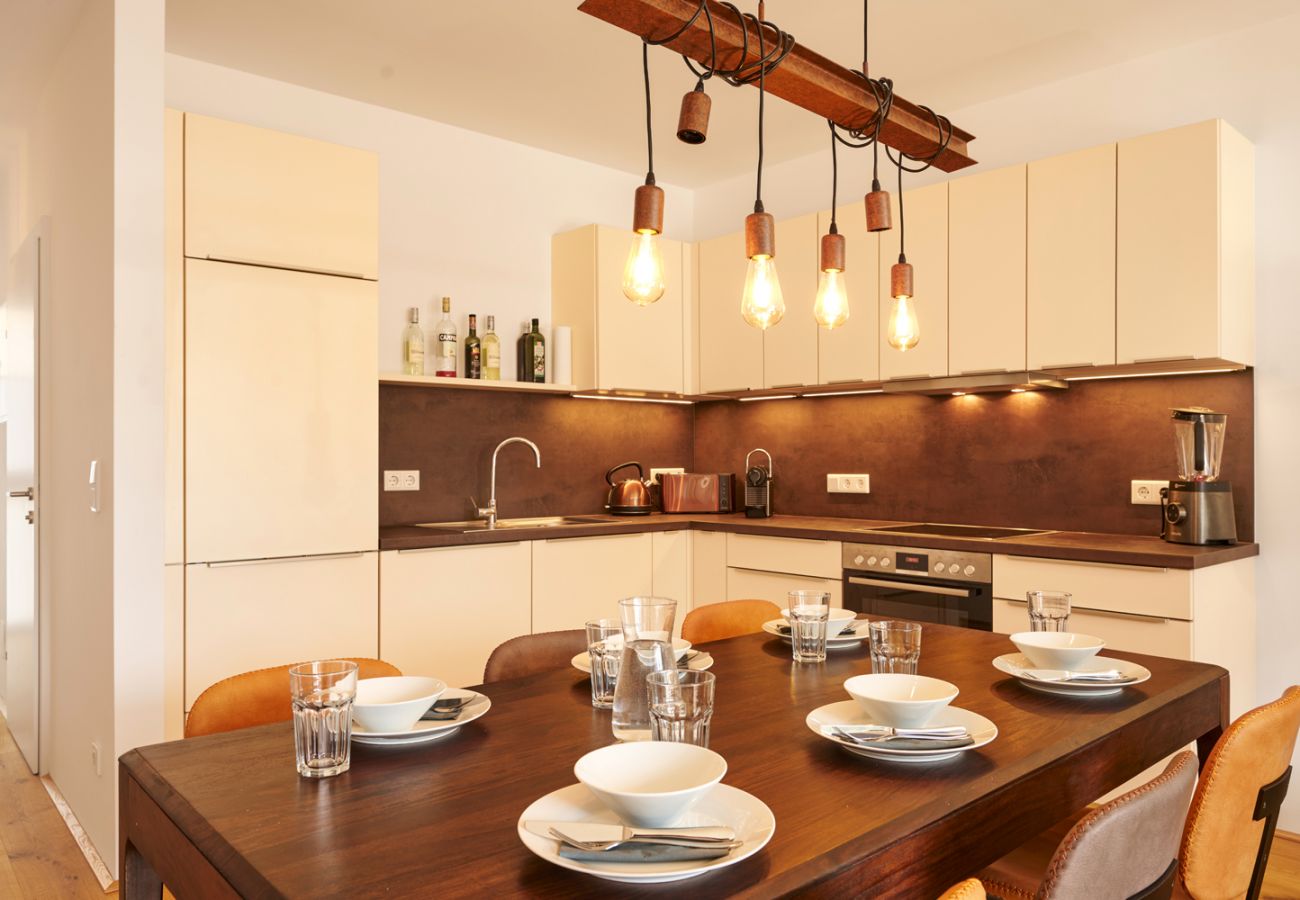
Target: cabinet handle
[(1073, 365), (792, 384), (908, 377), (228, 564), (459, 547), (1155, 359), (593, 537), (1108, 613), (984, 371), (1151, 570), (270, 265)]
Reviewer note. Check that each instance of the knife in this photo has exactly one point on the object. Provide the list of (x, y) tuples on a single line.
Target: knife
[(596, 831), (879, 731)]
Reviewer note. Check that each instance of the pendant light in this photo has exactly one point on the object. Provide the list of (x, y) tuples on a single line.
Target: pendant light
[(643, 275), (831, 309), (904, 326), (877, 200), (693, 120), (761, 303)]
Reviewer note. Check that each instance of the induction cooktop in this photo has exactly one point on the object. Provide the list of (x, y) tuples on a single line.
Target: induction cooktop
[(985, 532)]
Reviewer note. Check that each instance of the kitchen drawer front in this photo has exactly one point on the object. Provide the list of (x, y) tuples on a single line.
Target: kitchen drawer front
[(1141, 590), (1121, 631), (794, 556), (749, 584), (578, 579), (245, 616)]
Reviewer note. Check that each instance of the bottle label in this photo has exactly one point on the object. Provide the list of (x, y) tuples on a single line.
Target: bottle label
[(447, 355), (493, 356), (539, 362), (473, 361), (415, 350)]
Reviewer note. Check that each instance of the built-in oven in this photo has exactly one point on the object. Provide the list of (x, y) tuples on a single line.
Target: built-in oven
[(949, 587)]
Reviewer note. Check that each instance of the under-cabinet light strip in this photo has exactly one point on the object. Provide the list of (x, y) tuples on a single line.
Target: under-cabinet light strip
[(630, 399), (1149, 374), (770, 397)]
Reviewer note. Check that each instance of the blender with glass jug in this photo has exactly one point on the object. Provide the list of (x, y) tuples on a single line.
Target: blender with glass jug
[(1197, 507)]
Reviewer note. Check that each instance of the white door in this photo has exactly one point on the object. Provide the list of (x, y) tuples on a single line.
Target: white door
[(22, 643)]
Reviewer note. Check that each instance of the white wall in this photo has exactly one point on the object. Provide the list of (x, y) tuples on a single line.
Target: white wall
[(461, 214), (1249, 78)]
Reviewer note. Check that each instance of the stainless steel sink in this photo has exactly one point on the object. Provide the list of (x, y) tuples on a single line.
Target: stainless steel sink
[(506, 524)]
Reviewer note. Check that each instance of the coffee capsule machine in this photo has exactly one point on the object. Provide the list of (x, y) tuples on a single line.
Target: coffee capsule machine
[(758, 487), (1197, 507)]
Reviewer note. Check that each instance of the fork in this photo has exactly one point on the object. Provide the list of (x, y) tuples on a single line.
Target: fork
[(649, 839), (1102, 677), (951, 734)]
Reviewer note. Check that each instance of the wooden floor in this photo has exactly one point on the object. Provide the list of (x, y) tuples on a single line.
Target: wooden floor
[(39, 860)]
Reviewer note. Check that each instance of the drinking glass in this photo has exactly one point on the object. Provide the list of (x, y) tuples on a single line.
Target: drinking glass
[(681, 706), (322, 693), (810, 612), (647, 647), (895, 646), (1049, 610), (605, 657)]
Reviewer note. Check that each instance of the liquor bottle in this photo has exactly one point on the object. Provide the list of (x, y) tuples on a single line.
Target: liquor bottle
[(413, 345), (523, 355), (445, 355), (537, 354), (491, 351), (473, 350)]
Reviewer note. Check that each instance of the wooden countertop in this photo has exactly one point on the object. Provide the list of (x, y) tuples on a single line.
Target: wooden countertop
[(1120, 549)]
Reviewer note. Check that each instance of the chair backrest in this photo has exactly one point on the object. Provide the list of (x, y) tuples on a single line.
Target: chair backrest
[(716, 621), (1128, 845), (257, 698), (530, 654), (970, 889), (1222, 839)]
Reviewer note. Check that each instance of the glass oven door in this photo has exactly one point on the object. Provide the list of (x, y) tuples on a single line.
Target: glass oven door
[(942, 602)]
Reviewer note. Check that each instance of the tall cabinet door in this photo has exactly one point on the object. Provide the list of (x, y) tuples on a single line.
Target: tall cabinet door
[(926, 212), (281, 427), (852, 351), (638, 347), (1070, 268), (731, 350), (986, 272), (790, 346)]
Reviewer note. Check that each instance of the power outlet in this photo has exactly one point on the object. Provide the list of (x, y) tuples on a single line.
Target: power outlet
[(1146, 493), (848, 484), (401, 479), (655, 473)]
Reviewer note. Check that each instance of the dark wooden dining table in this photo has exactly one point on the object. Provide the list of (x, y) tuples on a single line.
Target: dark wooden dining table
[(227, 815)]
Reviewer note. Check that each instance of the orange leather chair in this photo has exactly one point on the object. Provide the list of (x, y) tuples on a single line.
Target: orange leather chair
[(257, 698), (531, 654), (970, 889), (1234, 813), (1126, 848), (716, 621)]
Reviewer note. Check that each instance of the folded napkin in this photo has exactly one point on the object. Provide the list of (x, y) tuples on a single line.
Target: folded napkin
[(909, 744), (850, 630), (643, 852)]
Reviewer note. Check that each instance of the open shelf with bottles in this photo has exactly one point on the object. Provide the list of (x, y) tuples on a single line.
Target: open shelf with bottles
[(474, 383)]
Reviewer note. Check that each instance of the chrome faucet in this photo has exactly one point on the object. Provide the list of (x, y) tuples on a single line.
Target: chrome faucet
[(489, 512)]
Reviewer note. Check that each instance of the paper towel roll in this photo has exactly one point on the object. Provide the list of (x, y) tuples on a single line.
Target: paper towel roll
[(562, 355)]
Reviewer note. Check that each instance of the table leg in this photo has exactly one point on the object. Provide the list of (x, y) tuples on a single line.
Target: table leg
[(1205, 743), (139, 880)]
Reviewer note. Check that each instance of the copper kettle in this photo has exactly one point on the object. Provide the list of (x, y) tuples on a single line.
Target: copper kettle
[(631, 496)]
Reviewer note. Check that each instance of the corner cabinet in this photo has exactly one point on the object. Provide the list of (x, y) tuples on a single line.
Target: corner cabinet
[(926, 212), (577, 579)]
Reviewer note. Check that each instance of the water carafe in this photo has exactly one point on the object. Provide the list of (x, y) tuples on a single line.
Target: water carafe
[(647, 647)]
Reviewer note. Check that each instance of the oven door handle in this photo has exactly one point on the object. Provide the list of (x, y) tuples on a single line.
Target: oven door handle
[(911, 586)]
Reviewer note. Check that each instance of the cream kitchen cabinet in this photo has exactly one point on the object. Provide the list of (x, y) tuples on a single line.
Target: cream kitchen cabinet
[(730, 350), (749, 584), (670, 574), (617, 344), (852, 351), (986, 272), (442, 610), (273, 199), (1185, 271), (1070, 264), (760, 567), (281, 418), (708, 567), (926, 212), (253, 615), (174, 704), (577, 579), (174, 338), (790, 346)]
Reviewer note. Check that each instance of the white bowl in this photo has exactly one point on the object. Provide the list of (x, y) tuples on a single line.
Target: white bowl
[(839, 620), (1057, 649), (394, 703), (903, 701), (650, 783), (680, 645)]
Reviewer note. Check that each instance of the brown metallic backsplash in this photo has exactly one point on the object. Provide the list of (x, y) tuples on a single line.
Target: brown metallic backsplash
[(1059, 460)]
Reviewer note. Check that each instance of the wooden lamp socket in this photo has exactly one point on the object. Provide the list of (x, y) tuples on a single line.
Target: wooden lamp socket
[(693, 122), (760, 235), (878, 214), (648, 210), (832, 253), (900, 280)]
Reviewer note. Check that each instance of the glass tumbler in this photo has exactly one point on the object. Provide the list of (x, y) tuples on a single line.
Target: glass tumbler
[(1049, 610), (681, 706), (605, 648), (322, 694), (809, 613), (895, 646)]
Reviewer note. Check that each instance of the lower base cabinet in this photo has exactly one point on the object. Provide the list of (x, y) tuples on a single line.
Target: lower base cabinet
[(174, 704), (748, 584), (442, 610), (577, 579), (242, 616), (708, 567)]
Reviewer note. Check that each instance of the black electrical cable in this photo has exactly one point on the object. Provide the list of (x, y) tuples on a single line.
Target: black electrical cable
[(835, 177), (762, 92), (902, 223), (649, 132)]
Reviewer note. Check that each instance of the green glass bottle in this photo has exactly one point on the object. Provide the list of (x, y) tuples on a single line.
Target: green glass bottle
[(473, 350)]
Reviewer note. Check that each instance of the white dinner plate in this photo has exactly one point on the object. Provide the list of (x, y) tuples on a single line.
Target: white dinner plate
[(833, 642), (848, 712), (748, 816), (1014, 664), (425, 731), (582, 662)]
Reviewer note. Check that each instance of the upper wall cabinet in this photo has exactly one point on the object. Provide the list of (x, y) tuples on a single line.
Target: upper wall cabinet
[(617, 344), (1185, 279), (730, 350), (273, 199), (1071, 260), (790, 346), (852, 351), (986, 272), (926, 211), (174, 341)]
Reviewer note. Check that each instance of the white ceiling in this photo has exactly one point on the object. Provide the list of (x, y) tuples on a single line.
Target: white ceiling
[(541, 73)]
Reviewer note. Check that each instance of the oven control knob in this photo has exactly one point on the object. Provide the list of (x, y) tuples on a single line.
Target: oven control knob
[(938, 568), (886, 562), (857, 560), (954, 568), (969, 570), (871, 561)]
